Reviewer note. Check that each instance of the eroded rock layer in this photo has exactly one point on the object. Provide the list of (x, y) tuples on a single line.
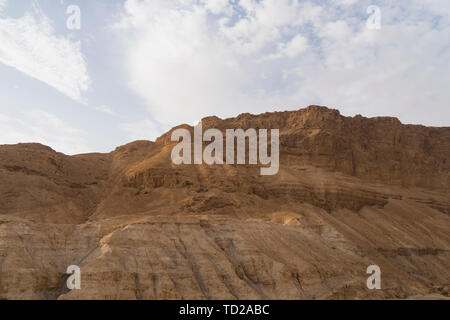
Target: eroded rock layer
[(350, 193)]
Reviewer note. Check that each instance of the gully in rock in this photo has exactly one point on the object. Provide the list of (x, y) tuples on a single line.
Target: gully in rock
[(213, 153)]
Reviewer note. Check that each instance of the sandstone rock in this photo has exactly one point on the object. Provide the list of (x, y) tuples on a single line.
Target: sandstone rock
[(351, 192)]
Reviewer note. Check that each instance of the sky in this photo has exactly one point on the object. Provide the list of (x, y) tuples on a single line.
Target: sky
[(133, 69)]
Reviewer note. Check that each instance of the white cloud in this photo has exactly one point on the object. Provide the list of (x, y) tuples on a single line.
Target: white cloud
[(107, 110), (345, 2), (335, 30), (190, 59), (38, 126), (3, 4), (142, 130), (218, 6), (30, 45), (186, 66), (291, 49)]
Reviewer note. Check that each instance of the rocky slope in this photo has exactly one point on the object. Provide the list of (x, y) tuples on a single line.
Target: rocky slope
[(351, 192)]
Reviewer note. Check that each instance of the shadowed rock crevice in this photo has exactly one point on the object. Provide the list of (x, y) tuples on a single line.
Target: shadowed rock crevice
[(351, 192)]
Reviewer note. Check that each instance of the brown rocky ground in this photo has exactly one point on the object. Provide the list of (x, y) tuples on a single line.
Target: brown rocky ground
[(351, 192)]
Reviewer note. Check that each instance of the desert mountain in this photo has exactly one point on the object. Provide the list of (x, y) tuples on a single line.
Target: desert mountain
[(351, 192)]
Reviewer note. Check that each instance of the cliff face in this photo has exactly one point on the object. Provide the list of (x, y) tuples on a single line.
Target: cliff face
[(351, 192)]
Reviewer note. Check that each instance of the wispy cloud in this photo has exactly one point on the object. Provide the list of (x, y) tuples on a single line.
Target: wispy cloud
[(142, 130), (42, 127), (106, 110), (3, 4), (30, 45)]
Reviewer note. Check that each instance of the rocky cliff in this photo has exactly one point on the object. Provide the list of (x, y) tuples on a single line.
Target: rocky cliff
[(350, 193)]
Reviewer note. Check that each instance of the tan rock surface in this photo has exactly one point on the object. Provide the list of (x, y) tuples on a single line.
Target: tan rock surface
[(351, 192)]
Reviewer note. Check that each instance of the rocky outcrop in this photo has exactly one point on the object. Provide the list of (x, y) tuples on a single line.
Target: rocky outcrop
[(351, 192)]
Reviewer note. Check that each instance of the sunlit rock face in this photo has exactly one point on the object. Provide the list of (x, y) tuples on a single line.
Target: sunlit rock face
[(350, 193)]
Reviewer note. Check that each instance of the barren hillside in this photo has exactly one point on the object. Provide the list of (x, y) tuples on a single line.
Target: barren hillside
[(350, 192)]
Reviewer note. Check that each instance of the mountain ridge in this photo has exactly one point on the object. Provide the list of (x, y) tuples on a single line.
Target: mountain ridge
[(350, 192)]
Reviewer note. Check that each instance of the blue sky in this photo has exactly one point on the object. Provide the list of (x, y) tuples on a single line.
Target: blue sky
[(136, 68)]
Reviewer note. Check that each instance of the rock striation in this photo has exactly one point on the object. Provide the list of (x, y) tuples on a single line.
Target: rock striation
[(351, 192)]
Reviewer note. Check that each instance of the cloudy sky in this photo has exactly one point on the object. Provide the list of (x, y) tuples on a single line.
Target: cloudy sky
[(135, 68)]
